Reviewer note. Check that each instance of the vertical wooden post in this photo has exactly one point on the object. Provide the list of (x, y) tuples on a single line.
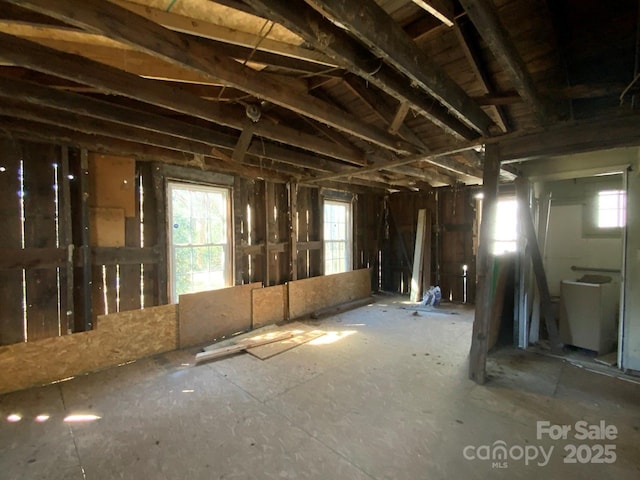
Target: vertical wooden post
[(86, 251), (268, 212), (159, 190), (293, 229), (418, 252), (484, 262), (66, 238)]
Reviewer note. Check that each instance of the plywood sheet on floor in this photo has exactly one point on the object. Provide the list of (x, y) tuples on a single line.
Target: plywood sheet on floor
[(302, 334), (207, 316), (120, 338), (311, 294), (269, 305)]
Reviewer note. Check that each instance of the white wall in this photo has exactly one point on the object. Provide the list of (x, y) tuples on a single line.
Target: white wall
[(570, 239)]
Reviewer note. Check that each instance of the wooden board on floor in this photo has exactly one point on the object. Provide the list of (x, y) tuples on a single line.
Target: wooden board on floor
[(301, 334), (268, 305), (121, 337), (207, 316), (312, 294)]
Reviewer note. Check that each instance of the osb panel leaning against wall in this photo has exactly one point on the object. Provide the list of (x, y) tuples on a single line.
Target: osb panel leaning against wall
[(120, 337)]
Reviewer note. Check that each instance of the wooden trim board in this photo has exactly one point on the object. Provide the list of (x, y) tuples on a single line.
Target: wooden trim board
[(241, 346)]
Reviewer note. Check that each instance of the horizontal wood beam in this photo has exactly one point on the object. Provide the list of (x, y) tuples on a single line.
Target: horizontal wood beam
[(572, 137), (111, 80), (485, 17), (195, 54), (37, 132), (350, 55), (225, 34), (32, 258), (397, 48)]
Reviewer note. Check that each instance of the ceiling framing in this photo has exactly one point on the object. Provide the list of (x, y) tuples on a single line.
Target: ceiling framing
[(396, 95)]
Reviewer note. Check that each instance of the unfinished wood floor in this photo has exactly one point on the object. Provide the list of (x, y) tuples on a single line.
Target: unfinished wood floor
[(384, 395)]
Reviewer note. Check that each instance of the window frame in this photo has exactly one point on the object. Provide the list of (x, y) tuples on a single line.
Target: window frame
[(228, 270), (348, 241)]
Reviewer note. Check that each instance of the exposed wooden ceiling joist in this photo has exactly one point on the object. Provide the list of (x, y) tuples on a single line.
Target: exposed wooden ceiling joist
[(225, 34), (374, 27), (195, 54), (336, 43), (485, 17), (79, 69)]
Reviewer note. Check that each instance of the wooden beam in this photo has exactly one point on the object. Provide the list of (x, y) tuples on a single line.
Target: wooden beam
[(350, 55), (423, 157), (86, 106), (196, 54), (398, 118), (244, 141), (438, 10), (111, 80), (418, 253), (573, 137), (484, 268), (463, 32), (126, 58), (485, 17), (224, 34), (101, 144), (397, 48)]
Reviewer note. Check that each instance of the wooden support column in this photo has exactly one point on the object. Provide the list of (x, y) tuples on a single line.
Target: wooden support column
[(267, 255), (66, 241), (484, 263), (86, 251), (538, 267), (418, 252), (293, 229)]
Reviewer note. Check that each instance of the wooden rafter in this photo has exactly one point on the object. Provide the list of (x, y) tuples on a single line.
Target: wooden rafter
[(111, 80), (350, 55), (224, 34), (484, 16), (471, 51), (196, 54), (397, 48)]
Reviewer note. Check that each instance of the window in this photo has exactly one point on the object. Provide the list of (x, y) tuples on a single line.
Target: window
[(612, 209), (337, 237), (199, 238), (506, 232)]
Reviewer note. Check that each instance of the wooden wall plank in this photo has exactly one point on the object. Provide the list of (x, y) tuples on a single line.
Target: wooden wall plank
[(107, 226), (150, 223), (40, 232), (119, 338), (268, 305), (215, 314), (11, 314), (130, 273), (112, 180), (311, 294)]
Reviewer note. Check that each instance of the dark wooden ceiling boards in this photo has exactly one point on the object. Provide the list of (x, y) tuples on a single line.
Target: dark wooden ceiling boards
[(379, 91)]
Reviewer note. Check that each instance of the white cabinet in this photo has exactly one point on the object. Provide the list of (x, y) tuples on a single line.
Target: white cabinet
[(588, 315)]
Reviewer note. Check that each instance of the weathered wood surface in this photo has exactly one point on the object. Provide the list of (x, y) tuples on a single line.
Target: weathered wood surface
[(207, 316), (119, 338), (311, 294)]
